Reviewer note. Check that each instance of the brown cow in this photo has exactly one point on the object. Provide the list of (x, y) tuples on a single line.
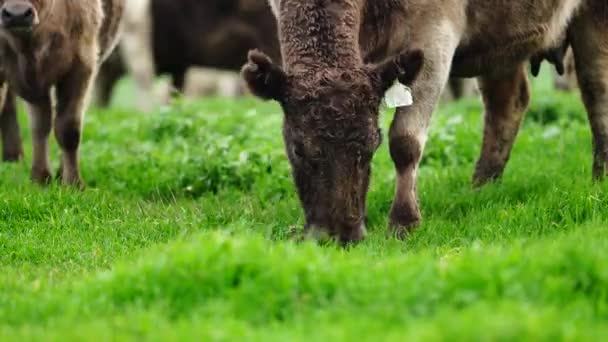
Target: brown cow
[(330, 87), (50, 53)]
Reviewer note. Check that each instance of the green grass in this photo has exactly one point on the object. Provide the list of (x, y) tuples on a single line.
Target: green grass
[(185, 233)]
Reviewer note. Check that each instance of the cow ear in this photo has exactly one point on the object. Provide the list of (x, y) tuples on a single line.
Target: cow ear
[(264, 78), (405, 67)]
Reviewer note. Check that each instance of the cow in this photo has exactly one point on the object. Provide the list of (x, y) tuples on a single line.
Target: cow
[(340, 56), (170, 37), (50, 51)]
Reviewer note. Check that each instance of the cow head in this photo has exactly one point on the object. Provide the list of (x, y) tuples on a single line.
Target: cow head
[(22, 15), (331, 133)]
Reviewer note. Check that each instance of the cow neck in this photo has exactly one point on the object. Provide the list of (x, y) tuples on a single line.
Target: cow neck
[(319, 34)]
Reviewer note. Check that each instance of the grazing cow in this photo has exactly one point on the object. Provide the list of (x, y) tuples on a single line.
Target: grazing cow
[(50, 51), (340, 56), (188, 33)]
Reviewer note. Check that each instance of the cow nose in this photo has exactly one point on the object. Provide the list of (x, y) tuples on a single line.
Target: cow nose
[(17, 14)]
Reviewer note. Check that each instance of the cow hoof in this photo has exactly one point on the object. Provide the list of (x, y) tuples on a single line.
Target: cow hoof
[(486, 173), (12, 156), (353, 236), (317, 234), (481, 180), (600, 171), (76, 183), (42, 177), (401, 232), (403, 222), (70, 180)]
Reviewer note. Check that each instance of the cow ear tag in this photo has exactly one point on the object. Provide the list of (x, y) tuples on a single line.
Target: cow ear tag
[(398, 95)]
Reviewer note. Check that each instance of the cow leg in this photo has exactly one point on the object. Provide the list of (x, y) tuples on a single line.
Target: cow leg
[(12, 148), (108, 76), (136, 49), (72, 99), (104, 89), (41, 115), (590, 46), (408, 132), (178, 79), (506, 99)]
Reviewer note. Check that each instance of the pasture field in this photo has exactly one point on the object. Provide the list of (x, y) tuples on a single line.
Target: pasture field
[(186, 231)]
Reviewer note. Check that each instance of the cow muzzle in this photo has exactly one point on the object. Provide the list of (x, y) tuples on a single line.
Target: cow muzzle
[(18, 15)]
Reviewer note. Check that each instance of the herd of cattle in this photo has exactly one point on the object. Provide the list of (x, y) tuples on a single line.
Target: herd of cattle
[(327, 62)]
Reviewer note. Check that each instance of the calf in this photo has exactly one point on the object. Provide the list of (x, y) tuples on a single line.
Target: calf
[(49, 54), (339, 57)]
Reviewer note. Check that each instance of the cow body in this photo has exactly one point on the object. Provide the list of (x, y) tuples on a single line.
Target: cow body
[(488, 39), (60, 49)]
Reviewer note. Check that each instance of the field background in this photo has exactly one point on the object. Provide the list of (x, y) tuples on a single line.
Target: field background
[(186, 231)]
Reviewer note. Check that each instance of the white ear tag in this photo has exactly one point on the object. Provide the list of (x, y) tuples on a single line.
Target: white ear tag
[(398, 95)]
